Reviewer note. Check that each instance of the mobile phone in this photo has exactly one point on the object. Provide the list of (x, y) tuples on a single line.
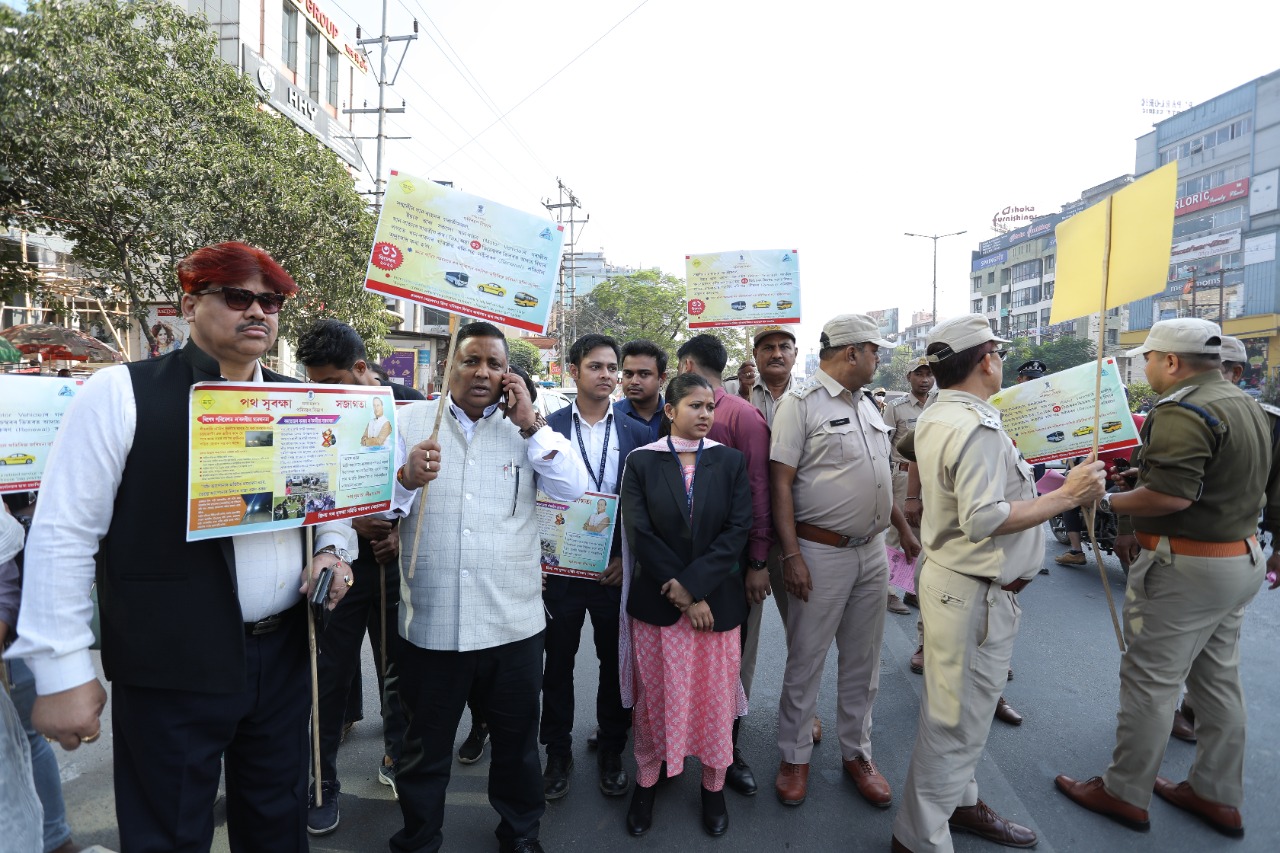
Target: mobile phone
[(320, 592)]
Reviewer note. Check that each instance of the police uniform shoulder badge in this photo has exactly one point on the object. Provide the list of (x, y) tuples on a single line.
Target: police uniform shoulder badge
[(805, 389)]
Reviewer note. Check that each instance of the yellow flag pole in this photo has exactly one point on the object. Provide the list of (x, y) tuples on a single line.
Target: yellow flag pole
[(1090, 513), (435, 433), (315, 678)]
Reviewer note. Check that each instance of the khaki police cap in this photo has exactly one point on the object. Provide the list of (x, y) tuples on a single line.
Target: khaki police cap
[(917, 363), (772, 330), (849, 329), (1233, 350), (961, 333), (1189, 335)]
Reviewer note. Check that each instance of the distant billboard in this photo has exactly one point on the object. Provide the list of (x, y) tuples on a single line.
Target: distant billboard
[(887, 320)]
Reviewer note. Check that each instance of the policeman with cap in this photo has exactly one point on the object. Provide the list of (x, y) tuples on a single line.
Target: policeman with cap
[(774, 351), (983, 539), (901, 414), (832, 501), (1235, 363), (1202, 474)]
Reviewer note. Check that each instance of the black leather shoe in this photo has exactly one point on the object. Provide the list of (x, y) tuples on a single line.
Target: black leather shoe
[(715, 817), (555, 779), (739, 776), (640, 815), (521, 845), (613, 779)]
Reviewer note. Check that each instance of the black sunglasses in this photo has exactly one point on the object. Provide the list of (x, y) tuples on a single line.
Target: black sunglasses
[(239, 299), (999, 353)]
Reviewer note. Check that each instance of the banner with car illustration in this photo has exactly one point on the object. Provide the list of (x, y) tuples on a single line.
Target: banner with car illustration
[(278, 456), (464, 254), (1052, 417), (743, 288), (577, 535), (29, 421)]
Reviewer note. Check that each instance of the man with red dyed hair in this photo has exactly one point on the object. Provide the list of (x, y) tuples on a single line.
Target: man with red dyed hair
[(204, 642)]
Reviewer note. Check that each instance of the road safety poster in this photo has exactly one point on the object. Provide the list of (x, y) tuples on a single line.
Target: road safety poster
[(464, 254), (29, 419), (743, 288), (1052, 417), (277, 456), (577, 535)]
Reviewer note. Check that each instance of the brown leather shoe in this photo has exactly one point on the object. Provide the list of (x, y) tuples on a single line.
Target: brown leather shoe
[(898, 847), (982, 821), (917, 661), (1225, 819), (792, 783), (873, 787), (1006, 714), (895, 605), (1182, 727), (817, 729), (1095, 798)]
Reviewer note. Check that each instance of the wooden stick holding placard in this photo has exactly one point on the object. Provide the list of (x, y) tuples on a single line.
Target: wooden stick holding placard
[(315, 676), (435, 433), (1090, 513)]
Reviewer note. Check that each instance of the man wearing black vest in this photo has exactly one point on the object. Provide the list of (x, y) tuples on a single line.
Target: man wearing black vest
[(204, 642), (601, 438), (333, 354)]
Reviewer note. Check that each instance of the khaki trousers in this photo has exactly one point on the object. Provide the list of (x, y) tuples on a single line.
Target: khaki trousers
[(846, 605), (755, 612), (969, 629), (1182, 620)]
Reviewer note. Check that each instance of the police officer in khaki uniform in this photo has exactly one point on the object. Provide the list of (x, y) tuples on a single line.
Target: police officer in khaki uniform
[(832, 501), (983, 542), (1202, 474), (901, 415)]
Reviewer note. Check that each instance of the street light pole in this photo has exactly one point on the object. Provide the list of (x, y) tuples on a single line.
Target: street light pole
[(935, 238)]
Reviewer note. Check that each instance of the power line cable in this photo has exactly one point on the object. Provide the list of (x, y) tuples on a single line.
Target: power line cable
[(544, 83)]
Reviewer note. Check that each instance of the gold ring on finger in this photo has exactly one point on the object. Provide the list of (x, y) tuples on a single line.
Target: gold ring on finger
[(91, 738)]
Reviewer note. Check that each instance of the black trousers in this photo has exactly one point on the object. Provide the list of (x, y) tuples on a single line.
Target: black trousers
[(434, 685), (338, 663), (171, 745), (568, 613)]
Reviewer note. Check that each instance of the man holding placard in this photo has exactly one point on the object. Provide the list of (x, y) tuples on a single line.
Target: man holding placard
[(471, 611), (603, 441), (983, 541), (204, 641), (1202, 477)]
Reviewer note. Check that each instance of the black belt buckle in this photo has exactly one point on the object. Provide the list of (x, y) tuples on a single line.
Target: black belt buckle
[(264, 626)]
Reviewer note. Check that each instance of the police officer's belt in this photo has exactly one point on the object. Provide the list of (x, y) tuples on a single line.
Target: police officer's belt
[(829, 537), (1196, 548)]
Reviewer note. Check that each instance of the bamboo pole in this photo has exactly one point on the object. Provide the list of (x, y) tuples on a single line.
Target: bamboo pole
[(1090, 513), (315, 676), (435, 433)]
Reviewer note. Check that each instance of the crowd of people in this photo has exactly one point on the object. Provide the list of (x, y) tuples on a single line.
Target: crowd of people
[(730, 495)]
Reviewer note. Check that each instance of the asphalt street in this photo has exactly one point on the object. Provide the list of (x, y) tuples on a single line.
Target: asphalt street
[(1066, 684)]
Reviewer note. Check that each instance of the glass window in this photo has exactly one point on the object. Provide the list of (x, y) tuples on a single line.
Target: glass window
[(1050, 263), (991, 303), (289, 37), (331, 56), (313, 63), (977, 306), (977, 283), (991, 277)]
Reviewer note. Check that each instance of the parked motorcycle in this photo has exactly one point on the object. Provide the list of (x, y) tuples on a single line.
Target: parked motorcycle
[(1105, 528)]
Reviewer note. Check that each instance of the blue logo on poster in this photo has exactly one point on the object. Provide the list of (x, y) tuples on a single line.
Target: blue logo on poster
[(546, 234)]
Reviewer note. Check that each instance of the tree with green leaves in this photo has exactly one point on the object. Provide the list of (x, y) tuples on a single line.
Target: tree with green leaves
[(1057, 355), (651, 305), (892, 374), (524, 355), (125, 133)]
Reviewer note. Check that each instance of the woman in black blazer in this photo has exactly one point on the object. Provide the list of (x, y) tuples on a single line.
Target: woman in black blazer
[(686, 513)]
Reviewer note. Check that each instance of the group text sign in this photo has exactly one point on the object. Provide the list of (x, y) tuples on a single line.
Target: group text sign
[(29, 419), (1052, 417), (464, 254), (743, 288), (577, 535), (278, 456)]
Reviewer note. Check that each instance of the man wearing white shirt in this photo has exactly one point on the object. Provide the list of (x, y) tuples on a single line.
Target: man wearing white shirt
[(471, 607), (204, 642), (602, 437)]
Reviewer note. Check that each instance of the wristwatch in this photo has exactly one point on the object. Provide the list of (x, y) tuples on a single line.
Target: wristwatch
[(757, 565), (538, 423), (1104, 505), (342, 555)]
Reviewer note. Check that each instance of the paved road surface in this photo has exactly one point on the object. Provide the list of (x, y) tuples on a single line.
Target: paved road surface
[(1066, 684)]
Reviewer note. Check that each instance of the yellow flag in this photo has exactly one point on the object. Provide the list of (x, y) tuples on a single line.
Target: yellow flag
[(1140, 219)]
